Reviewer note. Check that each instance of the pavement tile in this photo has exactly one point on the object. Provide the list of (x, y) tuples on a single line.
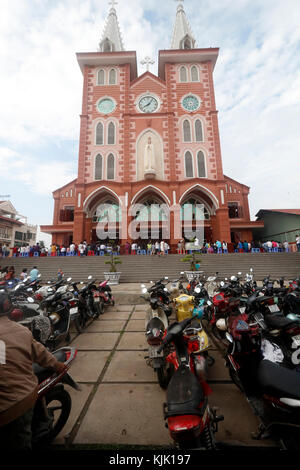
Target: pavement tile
[(141, 308), (114, 315), (139, 315), (218, 371), (140, 422), (88, 365), (103, 325), (96, 341), (79, 399), (136, 325), (133, 340), (129, 366), (239, 419)]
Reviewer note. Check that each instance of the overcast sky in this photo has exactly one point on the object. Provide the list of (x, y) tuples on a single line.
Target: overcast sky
[(257, 86)]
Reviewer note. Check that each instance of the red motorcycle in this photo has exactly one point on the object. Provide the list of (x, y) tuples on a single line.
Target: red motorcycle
[(105, 294), (191, 422)]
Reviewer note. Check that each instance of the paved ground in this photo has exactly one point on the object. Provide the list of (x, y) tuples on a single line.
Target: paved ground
[(120, 402)]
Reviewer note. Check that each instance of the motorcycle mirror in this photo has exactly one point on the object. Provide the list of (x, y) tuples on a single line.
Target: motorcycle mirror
[(30, 300), (90, 277), (222, 283), (197, 290), (144, 291), (251, 270), (182, 272), (143, 285), (229, 337), (166, 277), (233, 278), (239, 273), (165, 289), (81, 282), (69, 279), (226, 278)]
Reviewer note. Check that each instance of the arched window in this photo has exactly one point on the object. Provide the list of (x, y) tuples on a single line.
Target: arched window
[(198, 131), (187, 137), (110, 167), (188, 162), (112, 79), (183, 74), (194, 74), (111, 135), (101, 77), (201, 164), (99, 134), (98, 167)]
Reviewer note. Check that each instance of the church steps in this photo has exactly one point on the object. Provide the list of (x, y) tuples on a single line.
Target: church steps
[(145, 268)]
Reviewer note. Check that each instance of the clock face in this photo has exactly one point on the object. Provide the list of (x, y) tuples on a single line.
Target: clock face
[(191, 103), (148, 104), (106, 106)]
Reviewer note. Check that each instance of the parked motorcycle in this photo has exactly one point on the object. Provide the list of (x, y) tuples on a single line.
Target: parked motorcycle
[(90, 304), (53, 406), (272, 390), (156, 323), (191, 421), (105, 294)]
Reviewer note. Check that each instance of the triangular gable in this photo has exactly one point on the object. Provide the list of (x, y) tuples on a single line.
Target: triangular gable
[(7, 206), (150, 77)]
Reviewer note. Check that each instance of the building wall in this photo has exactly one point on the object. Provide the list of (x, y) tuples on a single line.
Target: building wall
[(279, 227)]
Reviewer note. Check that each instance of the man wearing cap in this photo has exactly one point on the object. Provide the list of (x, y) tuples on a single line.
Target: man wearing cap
[(18, 383)]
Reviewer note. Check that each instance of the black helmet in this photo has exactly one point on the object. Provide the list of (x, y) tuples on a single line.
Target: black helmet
[(5, 304)]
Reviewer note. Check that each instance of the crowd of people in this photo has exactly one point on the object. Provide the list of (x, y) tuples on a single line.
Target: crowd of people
[(149, 247)]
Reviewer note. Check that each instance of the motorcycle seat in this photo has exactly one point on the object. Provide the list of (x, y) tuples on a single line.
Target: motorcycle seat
[(184, 394), (278, 322), (278, 380), (43, 373)]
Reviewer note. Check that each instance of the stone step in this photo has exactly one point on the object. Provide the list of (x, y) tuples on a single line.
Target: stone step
[(140, 268)]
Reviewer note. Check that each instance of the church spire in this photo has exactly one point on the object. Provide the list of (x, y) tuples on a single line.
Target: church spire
[(182, 34), (111, 39)]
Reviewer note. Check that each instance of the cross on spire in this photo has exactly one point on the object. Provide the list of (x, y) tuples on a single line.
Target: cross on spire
[(147, 61), (113, 3)]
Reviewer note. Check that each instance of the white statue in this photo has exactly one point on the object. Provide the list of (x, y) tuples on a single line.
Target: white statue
[(149, 157)]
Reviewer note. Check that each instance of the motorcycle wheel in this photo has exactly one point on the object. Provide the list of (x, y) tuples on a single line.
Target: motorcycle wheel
[(164, 374), (80, 322), (58, 400), (236, 380), (99, 308)]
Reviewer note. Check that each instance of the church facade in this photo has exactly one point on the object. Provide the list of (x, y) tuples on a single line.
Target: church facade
[(150, 141)]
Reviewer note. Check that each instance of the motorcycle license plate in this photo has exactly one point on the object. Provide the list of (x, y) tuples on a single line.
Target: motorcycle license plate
[(274, 308), (96, 299), (73, 310), (153, 352), (296, 340)]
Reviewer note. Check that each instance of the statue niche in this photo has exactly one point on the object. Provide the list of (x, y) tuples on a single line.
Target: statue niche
[(149, 157)]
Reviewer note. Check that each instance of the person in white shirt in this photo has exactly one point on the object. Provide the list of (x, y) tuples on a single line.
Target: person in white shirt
[(162, 247)]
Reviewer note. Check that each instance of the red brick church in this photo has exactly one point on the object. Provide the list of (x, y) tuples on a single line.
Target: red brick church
[(150, 140)]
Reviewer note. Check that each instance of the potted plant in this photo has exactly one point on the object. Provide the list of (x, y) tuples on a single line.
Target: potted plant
[(194, 265), (113, 276)]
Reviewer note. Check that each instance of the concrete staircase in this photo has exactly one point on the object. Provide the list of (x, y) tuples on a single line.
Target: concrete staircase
[(141, 268)]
